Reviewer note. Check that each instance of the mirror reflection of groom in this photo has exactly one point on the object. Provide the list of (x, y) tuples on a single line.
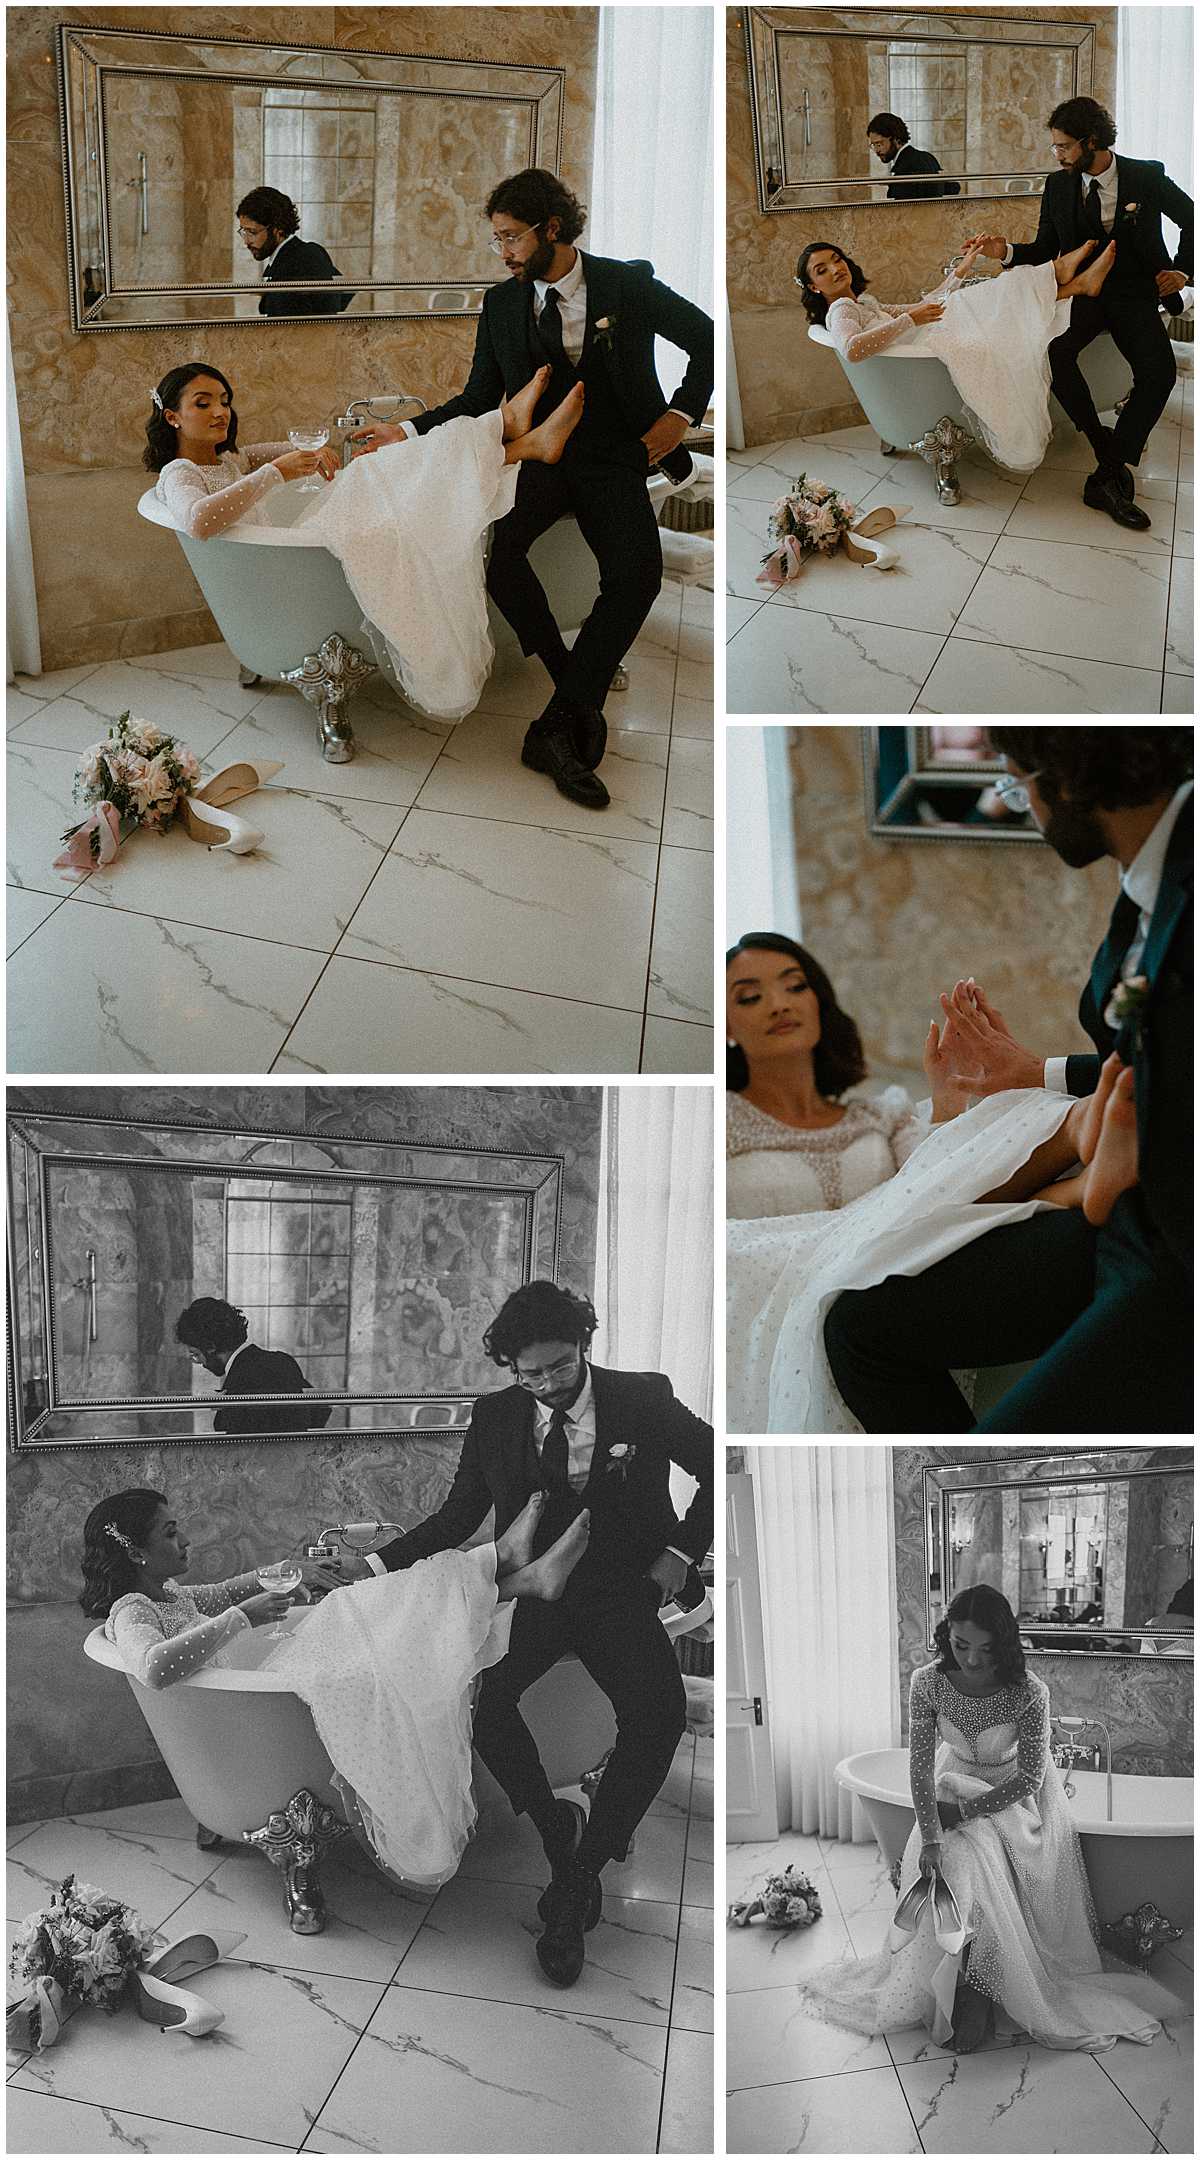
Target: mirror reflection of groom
[(605, 1441), (592, 320), (1101, 1301)]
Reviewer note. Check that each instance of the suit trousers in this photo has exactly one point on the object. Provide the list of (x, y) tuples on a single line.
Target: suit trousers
[(614, 514), (1109, 1329), (1130, 316), (617, 1636)]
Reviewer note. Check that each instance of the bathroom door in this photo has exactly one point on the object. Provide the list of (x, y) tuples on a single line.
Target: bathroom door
[(751, 1814)]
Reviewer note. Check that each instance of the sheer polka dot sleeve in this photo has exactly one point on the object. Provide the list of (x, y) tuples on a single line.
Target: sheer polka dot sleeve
[(922, 1748), (157, 1658), (217, 1597), (203, 516), (847, 323), (1033, 1754)]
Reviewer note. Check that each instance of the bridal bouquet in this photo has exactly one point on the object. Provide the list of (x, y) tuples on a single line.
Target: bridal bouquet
[(809, 521), (137, 776), (81, 1948), (785, 1901)]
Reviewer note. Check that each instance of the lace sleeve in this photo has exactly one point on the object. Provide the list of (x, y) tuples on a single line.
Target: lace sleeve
[(844, 323), (1033, 1754), (922, 1747), (217, 1597), (159, 1660), (202, 516), (262, 453)]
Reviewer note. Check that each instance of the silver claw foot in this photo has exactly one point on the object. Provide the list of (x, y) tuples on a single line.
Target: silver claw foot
[(295, 1839), (941, 446), (1138, 1934), (620, 680), (888, 448), (328, 679), (208, 1840)]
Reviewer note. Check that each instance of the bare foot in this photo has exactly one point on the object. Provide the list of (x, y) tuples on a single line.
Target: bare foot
[(1114, 1165), (518, 411), (514, 1549), (1068, 266), (546, 1577), (972, 2019), (1091, 279), (545, 444)]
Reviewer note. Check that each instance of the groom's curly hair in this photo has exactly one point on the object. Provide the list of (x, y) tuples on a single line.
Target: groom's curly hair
[(1084, 119), (536, 195), (986, 1608), (541, 1311), (1109, 768), (838, 1061)]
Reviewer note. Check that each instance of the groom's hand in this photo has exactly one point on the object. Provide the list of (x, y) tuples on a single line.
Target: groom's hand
[(993, 244), (375, 436), (1169, 281), (670, 1573), (666, 435), (982, 1056)]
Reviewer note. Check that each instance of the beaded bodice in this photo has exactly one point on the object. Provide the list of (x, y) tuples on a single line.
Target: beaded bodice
[(1002, 1739), (776, 1169)]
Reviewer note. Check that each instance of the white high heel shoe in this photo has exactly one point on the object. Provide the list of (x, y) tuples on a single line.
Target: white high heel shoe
[(860, 543), (192, 1953), (206, 817), (173, 2009)]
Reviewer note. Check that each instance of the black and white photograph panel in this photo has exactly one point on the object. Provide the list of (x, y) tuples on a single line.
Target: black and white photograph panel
[(361, 1636), (959, 1799), (959, 1058)]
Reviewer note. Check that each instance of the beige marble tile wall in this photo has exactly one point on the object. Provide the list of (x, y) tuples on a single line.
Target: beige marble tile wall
[(787, 385), (897, 921), (84, 400), (75, 1739), (1145, 1702)]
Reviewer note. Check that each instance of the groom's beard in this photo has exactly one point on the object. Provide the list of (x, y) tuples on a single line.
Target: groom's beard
[(1074, 835), (535, 265)]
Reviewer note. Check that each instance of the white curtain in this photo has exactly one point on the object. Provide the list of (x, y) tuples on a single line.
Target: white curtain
[(654, 1258), (652, 174), (827, 1555), (760, 873), (24, 652), (1154, 88), (735, 428)]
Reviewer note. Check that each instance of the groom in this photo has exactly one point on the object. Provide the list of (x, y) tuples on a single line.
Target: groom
[(1095, 195), (592, 320), (1106, 1313), (604, 1441)]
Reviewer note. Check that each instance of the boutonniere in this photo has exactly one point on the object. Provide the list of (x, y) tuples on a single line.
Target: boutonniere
[(621, 1459), (1131, 209), (605, 330), (1127, 1005)]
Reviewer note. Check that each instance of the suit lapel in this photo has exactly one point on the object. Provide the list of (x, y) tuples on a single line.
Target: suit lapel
[(1173, 894), (602, 1406), (600, 284)]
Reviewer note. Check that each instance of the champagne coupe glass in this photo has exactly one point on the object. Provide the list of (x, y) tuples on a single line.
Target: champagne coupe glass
[(309, 438), (283, 1575)]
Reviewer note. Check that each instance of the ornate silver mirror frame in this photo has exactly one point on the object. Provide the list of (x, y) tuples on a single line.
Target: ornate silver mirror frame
[(1023, 1477), (777, 36), (113, 83), (71, 1282), (936, 783)]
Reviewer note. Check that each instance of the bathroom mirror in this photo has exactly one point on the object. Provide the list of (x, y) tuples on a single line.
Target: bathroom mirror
[(937, 783), (1094, 1551), (388, 158), (375, 1266), (974, 89)]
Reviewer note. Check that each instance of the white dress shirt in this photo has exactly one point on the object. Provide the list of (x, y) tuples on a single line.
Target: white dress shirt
[(1108, 199), (580, 1424), (1141, 883)]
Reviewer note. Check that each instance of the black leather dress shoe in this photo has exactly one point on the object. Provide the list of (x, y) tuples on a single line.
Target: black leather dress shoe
[(1115, 468), (570, 1902), (1102, 490), (548, 748), (589, 733)]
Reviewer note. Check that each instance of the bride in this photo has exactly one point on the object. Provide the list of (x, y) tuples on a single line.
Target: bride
[(408, 530), (826, 1195), (992, 336)]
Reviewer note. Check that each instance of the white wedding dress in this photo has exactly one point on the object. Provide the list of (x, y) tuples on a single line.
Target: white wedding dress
[(1017, 1873), (783, 1272), (992, 337)]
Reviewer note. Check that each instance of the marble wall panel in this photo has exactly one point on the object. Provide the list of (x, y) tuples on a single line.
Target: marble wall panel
[(84, 400), (786, 384), (1145, 1702)]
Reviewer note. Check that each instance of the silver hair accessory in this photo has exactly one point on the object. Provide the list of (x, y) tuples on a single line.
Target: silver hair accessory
[(158, 401), (120, 1538)]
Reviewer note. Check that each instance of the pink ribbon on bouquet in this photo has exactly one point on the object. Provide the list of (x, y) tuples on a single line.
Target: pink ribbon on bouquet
[(78, 858)]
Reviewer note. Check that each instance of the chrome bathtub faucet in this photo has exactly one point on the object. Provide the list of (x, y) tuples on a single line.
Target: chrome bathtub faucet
[(1067, 1753)]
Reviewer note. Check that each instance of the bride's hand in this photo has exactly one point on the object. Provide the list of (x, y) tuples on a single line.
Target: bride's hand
[(927, 311), (993, 244), (930, 1862), (298, 464), (984, 1057), (947, 1088)]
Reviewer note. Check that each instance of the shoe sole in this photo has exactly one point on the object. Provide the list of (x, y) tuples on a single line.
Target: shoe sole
[(1125, 523), (537, 764), (559, 1980)]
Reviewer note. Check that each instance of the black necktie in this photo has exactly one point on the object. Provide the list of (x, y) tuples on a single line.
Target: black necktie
[(1092, 215), (554, 1452), (1122, 930), (549, 329)]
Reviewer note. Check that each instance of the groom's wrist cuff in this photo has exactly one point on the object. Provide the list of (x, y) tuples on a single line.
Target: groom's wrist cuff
[(1056, 1076), (375, 1563), (1008, 256), (409, 429)]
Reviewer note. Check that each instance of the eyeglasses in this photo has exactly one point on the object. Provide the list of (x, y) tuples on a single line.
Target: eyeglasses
[(561, 1371), (500, 241), (1014, 794)]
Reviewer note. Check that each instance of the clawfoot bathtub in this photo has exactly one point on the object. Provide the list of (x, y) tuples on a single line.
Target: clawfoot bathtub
[(912, 404), (248, 1764)]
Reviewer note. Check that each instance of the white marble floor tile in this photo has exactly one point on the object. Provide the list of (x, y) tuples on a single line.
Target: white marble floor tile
[(371, 1922), (688, 822), (57, 682), (771, 2040), (135, 995), (745, 546), (789, 660), (1023, 2099), (364, 1017), (15, 1833), (739, 612), (762, 1957), (509, 1850), (988, 498), (862, 2112), (300, 887), (698, 1880), (1184, 1949), (40, 810), (70, 724), (396, 749), (687, 2106), (37, 2123), (694, 677), (479, 774), (1049, 511), (696, 634), (817, 457), (863, 1894), (692, 1998), (745, 1865), (1179, 694), (1179, 659), (1090, 603), (740, 459), (154, 1875), (692, 719), (465, 2076), (681, 974), (911, 2043), (525, 690), (970, 677), (676, 1046), (19, 707), (263, 2075), (147, 1818), (1159, 2082), (927, 589), (24, 912), (533, 910), (862, 445), (479, 1938), (197, 664), (189, 704), (1184, 543)]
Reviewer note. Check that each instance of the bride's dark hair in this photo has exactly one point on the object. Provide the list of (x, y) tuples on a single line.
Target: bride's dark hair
[(838, 1061), (162, 442), (109, 1568), (816, 306), (986, 1608)]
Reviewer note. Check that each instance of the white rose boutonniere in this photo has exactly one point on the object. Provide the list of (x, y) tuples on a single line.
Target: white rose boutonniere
[(1127, 1005), (621, 1459), (605, 330)]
